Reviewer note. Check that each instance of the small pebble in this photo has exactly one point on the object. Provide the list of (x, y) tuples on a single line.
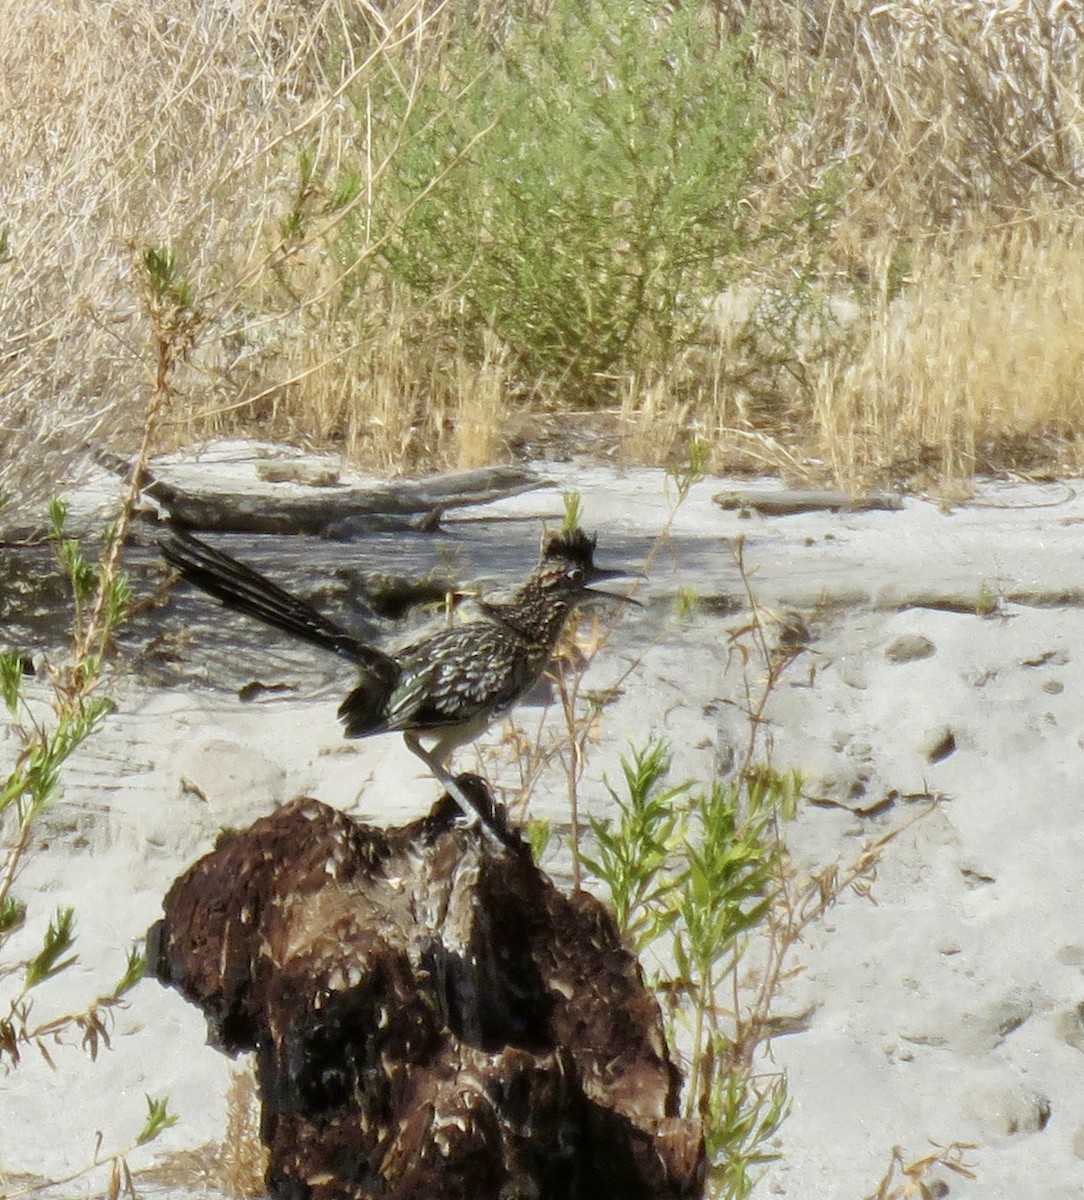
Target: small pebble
[(909, 647)]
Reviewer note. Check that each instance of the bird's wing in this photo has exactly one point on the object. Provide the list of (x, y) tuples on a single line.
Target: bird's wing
[(457, 675)]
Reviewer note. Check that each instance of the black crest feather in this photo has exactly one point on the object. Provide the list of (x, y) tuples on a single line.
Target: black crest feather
[(574, 546)]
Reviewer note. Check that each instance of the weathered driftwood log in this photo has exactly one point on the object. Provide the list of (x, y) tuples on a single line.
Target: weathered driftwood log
[(788, 502), (430, 1019), (342, 512)]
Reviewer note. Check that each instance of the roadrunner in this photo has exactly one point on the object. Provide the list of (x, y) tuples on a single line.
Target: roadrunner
[(448, 686)]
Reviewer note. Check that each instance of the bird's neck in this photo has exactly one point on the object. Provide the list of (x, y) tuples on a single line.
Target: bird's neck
[(534, 613)]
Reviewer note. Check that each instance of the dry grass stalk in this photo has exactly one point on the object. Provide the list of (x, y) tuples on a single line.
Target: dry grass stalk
[(181, 125), (935, 111), (242, 1157), (974, 367), (918, 1179)]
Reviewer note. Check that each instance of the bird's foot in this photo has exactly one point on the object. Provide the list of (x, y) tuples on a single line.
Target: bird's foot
[(478, 809)]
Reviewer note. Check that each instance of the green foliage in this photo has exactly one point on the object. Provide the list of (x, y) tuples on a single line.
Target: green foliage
[(573, 506), (988, 601), (11, 679), (33, 783), (293, 224), (686, 601), (35, 778), (12, 914), (118, 601), (634, 853), (164, 278), (703, 868), (693, 469), (745, 1114), (158, 1118), (347, 188), (725, 888), (50, 961), (83, 575), (574, 187), (134, 970), (539, 835)]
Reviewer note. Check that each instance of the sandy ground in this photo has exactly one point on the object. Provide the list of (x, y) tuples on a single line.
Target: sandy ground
[(947, 1007)]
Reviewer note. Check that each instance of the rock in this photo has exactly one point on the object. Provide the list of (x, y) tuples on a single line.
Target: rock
[(308, 472), (971, 1033), (1046, 658), (909, 647), (225, 775), (1070, 1026), (975, 876), (853, 669), (938, 745), (844, 786), (1007, 1108), (1078, 1142)]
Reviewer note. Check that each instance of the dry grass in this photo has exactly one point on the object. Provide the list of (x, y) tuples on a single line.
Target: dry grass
[(180, 124), (949, 139), (235, 1166), (976, 366), (242, 1159), (924, 1178), (952, 138), (125, 129)]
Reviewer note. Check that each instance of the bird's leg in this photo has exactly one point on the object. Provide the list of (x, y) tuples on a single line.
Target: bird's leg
[(470, 808)]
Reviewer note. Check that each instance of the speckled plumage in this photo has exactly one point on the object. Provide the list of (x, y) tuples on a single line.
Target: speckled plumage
[(473, 673), (449, 685)]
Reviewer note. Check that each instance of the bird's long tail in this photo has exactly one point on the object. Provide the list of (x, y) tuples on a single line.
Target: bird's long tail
[(246, 590)]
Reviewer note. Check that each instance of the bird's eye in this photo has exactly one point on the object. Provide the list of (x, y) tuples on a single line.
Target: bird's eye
[(575, 575)]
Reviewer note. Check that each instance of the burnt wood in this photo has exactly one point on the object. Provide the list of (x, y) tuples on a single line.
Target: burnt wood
[(429, 1018)]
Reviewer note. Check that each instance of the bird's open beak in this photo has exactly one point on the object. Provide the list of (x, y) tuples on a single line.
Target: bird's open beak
[(598, 575)]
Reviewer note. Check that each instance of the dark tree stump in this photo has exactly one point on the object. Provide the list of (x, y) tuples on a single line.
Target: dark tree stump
[(430, 1018)]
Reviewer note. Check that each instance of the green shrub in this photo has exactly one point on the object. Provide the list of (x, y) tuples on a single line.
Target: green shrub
[(704, 867), (574, 187)]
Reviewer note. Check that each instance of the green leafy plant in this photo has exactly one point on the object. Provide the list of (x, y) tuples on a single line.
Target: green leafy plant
[(634, 852), (692, 875), (604, 199), (696, 876), (51, 728), (33, 784), (988, 600), (572, 502)]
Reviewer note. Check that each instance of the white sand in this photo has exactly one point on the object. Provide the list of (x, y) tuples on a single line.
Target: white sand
[(945, 1011)]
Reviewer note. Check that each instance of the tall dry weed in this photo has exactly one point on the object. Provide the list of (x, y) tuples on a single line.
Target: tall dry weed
[(929, 112), (122, 128), (976, 365), (242, 136), (176, 124)]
